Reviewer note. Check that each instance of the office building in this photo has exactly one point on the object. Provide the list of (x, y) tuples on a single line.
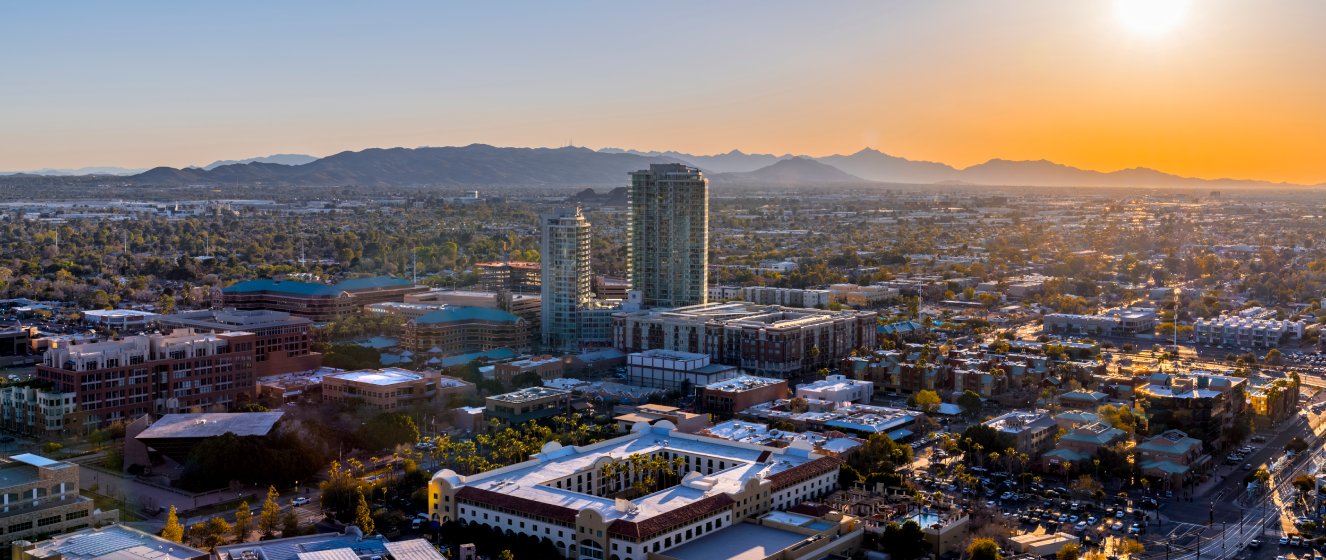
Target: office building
[(666, 369), (319, 302), (351, 544), (527, 306), (41, 498), (1172, 458), (510, 276), (393, 388), (462, 330), (1246, 332), (530, 403), (122, 320), (737, 394), (159, 373), (546, 367), (564, 494), (1203, 405), (1114, 322), (761, 339), (567, 281), (837, 389), (668, 239), (282, 342)]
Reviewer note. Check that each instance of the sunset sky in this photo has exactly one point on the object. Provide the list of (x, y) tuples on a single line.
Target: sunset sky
[(1205, 88)]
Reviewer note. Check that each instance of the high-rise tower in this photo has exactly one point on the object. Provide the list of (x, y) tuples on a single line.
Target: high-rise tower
[(668, 239), (566, 277)]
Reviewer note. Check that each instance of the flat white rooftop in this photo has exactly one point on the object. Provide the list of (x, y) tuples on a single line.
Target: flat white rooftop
[(743, 541), (383, 377)]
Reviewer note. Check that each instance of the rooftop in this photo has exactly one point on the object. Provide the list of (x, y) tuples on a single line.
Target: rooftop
[(453, 314), (212, 424), (309, 547), (380, 377), (528, 394), (113, 542), (1018, 421), (742, 541), (523, 485), (232, 319), (743, 383)]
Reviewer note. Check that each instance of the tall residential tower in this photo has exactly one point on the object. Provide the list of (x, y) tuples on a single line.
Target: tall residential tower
[(669, 235), (566, 281)]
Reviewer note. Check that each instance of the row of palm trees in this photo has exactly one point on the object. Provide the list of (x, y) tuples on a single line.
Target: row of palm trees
[(638, 475)]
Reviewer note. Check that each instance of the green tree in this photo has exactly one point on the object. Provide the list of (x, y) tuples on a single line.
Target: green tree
[(269, 519), (173, 531), (290, 524), (243, 521), (390, 429), (983, 549), (363, 516), (970, 402), (506, 554), (215, 533)]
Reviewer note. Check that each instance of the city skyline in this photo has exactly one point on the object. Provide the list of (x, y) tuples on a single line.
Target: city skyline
[(1212, 90)]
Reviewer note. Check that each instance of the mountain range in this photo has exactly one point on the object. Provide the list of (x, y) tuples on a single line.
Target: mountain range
[(480, 165)]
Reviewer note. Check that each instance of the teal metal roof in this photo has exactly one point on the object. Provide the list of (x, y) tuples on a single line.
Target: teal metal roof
[(374, 282), (452, 314), (283, 287), (462, 359)]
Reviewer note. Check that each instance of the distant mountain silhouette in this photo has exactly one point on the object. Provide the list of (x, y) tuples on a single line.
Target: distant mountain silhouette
[(479, 165), (794, 171), (106, 170), (878, 166), (614, 197), (473, 165), (734, 161), (281, 159)]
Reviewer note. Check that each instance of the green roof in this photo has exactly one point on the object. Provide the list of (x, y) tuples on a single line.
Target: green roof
[(453, 314), (282, 287)]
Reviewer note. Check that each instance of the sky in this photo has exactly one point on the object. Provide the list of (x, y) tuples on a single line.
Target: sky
[(1209, 88)]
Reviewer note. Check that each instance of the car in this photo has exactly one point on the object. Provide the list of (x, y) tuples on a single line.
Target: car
[(415, 523), (1284, 541), (1063, 518), (1117, 526), (1119, 513), (1092, 520), (1081, 526), (1247, 466), (1255, 543), (299, 501), (1293, 541), (1073, 519)]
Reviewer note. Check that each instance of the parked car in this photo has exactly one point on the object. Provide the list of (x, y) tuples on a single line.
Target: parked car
[(299, 501)]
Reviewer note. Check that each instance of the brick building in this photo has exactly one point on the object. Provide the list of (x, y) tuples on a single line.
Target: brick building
[(319, 302), (160, 373), (282, 341)]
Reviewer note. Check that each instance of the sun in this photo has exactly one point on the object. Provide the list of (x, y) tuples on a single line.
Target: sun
[(1151, 17)]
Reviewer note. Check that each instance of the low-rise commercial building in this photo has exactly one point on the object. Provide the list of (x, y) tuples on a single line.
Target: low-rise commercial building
[(737, 394), (546, 367), (530, 403), (1114, 322), (116, 542), (666, 369), (393, 388), (862, 296), (41, 498), (837, 388), (1081, 444), (1173, 458), (689, 422)]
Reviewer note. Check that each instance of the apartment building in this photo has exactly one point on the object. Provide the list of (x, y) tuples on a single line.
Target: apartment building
[(567, 279), (159, 373), (1246, 332), (36, 411), (1032, 431), (282, 342), (787, 297), (668, 235), (1202, 404), (393, 388), (761, 339)]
